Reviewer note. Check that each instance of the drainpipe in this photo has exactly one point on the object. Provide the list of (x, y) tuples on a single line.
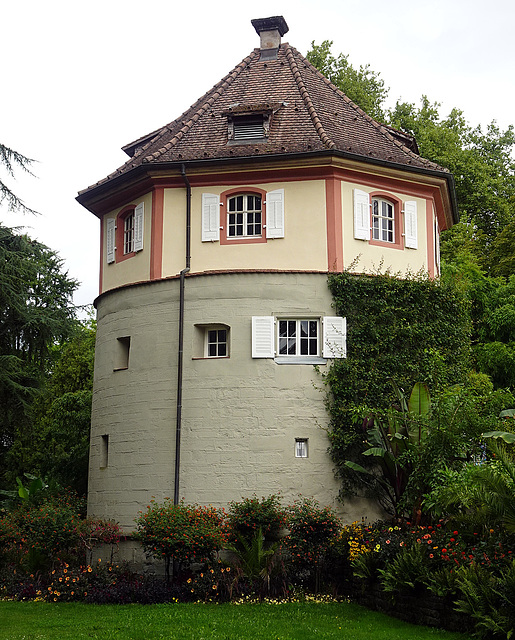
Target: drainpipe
[(181, 336)]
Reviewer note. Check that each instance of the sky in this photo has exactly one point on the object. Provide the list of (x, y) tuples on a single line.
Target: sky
[(79, 80)]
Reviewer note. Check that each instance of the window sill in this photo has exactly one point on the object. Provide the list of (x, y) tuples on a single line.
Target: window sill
[(210, 357), (121, 369), (299, 360)]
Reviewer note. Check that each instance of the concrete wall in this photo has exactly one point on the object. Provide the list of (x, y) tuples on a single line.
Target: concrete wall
[(240, 415)]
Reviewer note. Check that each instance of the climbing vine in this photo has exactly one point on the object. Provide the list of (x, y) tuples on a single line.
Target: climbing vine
[(409, 330)]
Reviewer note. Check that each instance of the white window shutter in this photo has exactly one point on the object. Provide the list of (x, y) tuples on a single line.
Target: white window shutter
[(335, 337), (275, 214), (110, 239), (410, 224), (361, 215), (263, 337), (138, 226), (210, 217)]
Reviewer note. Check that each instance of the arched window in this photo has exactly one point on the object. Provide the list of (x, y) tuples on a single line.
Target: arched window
[(383, 220)]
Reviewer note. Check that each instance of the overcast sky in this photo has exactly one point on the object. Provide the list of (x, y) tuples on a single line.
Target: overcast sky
[(80, 80)]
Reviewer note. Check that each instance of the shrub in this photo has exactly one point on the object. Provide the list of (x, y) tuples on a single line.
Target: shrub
[(37, 537), (186, 533), (312, 531), (245, 518)]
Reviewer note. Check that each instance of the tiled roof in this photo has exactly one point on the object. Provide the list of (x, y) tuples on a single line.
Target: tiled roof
[(309, 114)]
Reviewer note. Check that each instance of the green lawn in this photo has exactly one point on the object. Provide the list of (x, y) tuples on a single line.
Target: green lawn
[(289, 621)]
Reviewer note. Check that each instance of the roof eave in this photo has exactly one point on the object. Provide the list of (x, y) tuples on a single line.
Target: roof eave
[(93, 194)]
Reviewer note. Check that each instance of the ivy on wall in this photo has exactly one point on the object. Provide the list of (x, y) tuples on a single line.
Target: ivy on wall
[(410, 330)]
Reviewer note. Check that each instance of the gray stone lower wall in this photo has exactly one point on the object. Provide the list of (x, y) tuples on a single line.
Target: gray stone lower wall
[(240, 415)]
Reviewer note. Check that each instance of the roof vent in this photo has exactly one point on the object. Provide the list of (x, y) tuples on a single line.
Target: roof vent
[(270, 31)]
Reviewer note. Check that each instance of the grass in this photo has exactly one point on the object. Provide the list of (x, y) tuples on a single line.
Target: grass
[(287, 621)]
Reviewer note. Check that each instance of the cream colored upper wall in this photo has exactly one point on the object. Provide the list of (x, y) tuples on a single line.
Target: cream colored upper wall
[(366, 257), (304, 246), (137, 267)]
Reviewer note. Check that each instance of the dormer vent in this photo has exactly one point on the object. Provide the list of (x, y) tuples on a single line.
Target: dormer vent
[(248, 127), (270, 31)]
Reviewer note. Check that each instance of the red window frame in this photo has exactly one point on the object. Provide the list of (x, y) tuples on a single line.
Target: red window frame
[(119, 254), (398, 242)]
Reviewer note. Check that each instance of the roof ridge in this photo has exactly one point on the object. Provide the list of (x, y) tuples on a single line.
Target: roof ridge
[(215, 92), (307, 99), (380, 127)]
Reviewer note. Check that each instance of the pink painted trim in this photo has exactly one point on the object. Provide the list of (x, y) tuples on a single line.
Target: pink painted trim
[(334, 222), (431, 267), (224, 239), (101, 270), (156, 239)]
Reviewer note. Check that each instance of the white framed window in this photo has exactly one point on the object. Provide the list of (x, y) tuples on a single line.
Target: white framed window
[(217, 345), (298, 338), (383, 220), (244, 216), (301, 447), (128, 233)]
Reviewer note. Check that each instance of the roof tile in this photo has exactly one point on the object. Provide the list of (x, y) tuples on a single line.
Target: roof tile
[(309, 114)]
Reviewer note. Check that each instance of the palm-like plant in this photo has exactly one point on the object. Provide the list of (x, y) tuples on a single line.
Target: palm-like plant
[(482, 495), (256, 558)]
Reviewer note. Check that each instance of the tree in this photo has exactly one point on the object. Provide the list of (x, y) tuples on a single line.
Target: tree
[(363, 86), (10, 159), (62, 413), (36, 312), (481, 161)]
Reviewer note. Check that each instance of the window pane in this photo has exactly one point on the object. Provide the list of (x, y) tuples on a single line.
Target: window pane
[(211, 350), (232, 204), (222, 349), (250, 203), (222, 335), (239, 203)]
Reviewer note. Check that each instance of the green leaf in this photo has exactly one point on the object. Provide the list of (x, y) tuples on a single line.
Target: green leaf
[(356, 467), (507, 413), (378, 452), (419, 401), (504, 435)]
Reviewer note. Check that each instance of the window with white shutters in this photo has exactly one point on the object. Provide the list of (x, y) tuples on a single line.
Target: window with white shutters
[(243, 216), (125, 233), (298, 340)]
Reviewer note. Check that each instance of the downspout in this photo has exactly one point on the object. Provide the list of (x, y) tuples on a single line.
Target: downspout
[(181, 337)]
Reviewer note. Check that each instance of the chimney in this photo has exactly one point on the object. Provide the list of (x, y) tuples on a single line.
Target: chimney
[(270, 31)]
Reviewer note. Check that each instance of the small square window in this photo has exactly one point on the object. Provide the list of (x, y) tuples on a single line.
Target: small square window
[(301, 447), (216, 343), (211, 341)]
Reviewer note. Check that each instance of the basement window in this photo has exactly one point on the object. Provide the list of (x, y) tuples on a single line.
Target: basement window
[(301, 447)]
